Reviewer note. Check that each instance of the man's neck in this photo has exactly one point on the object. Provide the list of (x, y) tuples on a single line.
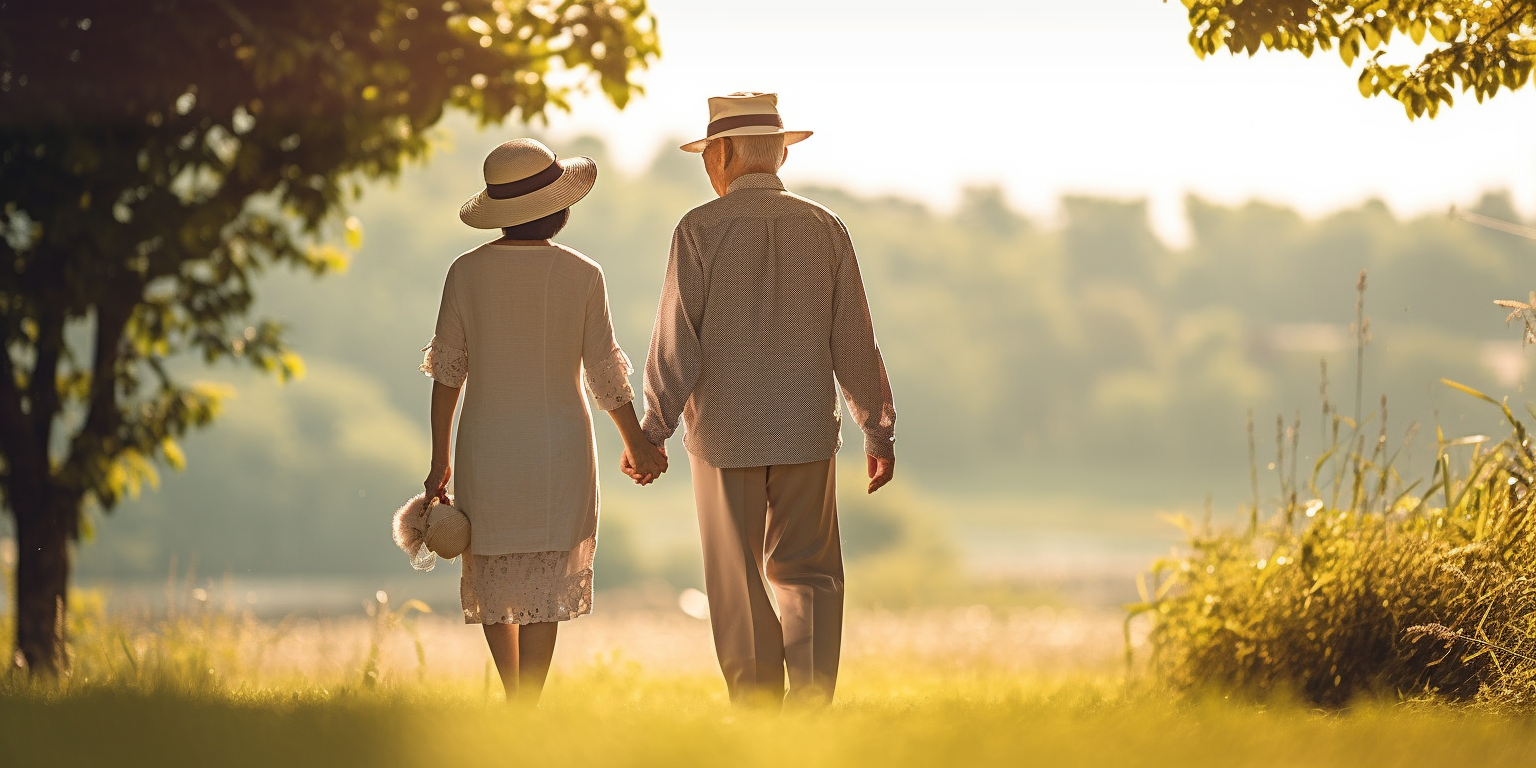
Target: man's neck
[(750, 171), (731, 178)]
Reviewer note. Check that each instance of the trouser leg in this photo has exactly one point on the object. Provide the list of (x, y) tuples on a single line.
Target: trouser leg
[(805, 566), (732, 508)]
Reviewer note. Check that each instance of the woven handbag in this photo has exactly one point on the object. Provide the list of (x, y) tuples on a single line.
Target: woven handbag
[(428, 529)]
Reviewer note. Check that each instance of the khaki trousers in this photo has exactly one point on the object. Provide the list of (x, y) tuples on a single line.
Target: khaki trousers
[(775, 526)]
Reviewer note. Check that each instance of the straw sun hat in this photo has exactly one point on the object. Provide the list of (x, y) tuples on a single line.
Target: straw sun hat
[(744, 114), (525, 181), (429, 530)]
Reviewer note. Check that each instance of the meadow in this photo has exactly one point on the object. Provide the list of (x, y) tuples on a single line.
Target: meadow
[(1369, 613), (1139, 360), (204, 684), (1311, 635)]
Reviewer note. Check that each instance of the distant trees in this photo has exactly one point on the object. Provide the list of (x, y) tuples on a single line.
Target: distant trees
[(156, 157), (1019, 374), (1480, 46)]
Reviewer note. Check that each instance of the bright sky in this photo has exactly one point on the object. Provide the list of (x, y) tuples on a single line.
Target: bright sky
[(1044, 98)]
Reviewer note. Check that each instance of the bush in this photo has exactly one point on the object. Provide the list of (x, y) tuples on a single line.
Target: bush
[(1394, 591)]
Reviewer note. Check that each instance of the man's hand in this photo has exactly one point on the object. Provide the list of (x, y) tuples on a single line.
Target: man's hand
[(644, 464), (880, 472), (436, 485)]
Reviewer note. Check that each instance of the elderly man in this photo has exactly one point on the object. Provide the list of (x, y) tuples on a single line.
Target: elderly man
[(762, 317)]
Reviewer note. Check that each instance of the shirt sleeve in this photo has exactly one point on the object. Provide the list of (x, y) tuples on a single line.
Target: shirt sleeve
[(856, 359), (447, 354), (672, 366), (604, 364)]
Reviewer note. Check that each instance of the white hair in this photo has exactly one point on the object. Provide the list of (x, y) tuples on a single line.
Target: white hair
[(765, 151)]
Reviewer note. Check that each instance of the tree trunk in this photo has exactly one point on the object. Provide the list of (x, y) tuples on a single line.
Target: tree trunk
[(42, 579)]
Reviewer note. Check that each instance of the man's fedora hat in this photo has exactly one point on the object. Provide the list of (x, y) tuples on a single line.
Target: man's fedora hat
[(744, 114), (524, 181)]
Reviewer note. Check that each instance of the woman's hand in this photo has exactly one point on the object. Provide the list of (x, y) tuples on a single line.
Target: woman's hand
[(644, 462), (436, 485)]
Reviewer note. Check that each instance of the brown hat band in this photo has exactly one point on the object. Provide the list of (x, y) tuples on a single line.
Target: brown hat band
[(527, 185), (742, 121)]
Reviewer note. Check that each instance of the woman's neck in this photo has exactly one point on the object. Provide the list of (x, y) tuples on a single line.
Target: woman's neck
[(506, 241)]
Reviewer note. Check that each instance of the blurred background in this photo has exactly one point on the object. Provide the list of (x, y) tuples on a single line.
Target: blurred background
[(1088, 254)]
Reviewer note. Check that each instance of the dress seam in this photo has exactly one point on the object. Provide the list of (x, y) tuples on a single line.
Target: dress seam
[(549, 498)]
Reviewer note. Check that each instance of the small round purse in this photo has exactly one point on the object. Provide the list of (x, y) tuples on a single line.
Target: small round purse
[(427, 529)]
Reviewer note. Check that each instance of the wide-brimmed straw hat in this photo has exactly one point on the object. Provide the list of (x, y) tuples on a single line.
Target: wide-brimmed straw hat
[(744, 114), (525, 181)]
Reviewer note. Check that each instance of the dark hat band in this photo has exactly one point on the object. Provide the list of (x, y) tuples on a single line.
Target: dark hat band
[(742, 121), (525, 186)]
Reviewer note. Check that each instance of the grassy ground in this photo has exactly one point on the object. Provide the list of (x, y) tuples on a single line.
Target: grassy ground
[(961, 686), (620, 716)]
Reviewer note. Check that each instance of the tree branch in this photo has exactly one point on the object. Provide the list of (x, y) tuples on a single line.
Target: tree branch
[(98, 440)]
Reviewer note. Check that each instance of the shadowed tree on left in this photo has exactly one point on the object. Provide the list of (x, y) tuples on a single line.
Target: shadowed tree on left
[(156, 157)]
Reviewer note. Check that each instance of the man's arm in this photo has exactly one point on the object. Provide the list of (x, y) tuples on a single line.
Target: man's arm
[(672, 366), (859, 367)]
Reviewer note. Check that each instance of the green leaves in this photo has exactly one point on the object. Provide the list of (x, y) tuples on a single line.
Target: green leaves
[(1483, 46), (157, 164), (1468, 390), (1349, 46)]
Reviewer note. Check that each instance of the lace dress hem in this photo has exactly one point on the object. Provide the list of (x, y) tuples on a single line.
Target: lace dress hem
[(527, 587)]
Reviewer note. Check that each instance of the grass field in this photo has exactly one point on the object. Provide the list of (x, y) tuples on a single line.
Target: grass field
[(963, 686), (628, 718)]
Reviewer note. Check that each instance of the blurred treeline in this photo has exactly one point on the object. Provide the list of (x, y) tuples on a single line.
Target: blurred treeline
[(1080, 358)]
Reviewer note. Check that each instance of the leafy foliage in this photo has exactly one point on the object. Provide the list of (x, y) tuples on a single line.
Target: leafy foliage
[(1477, 46), (158, 158)]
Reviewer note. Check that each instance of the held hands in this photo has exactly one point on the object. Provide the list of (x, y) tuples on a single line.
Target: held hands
[(644, 462), (880, 472)]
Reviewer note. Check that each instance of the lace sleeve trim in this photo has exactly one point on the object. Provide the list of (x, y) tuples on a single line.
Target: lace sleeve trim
[(608, 381), (444, 364)]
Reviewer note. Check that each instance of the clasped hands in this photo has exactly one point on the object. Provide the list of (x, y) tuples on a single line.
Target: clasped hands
[(644, 462)]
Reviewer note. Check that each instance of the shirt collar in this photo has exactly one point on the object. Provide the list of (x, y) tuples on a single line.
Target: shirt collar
[(756, 181)]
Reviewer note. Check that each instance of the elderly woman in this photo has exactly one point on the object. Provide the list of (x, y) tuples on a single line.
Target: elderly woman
[(526, 319)]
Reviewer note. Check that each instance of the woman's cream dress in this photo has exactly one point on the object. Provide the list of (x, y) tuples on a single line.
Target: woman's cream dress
[(520, 325)]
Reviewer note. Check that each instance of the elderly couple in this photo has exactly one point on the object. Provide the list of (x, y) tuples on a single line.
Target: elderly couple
[(762, 319)]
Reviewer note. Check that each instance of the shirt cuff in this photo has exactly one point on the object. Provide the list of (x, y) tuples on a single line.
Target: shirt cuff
[(608, 381), (881, 447), (655, 430), (445, 365)]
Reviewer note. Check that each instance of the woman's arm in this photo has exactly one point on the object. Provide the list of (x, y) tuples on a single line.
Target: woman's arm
[(642, 461), (445, 400)]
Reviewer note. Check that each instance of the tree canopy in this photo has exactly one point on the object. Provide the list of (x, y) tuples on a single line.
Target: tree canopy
[(1477, 46), (156, 157)]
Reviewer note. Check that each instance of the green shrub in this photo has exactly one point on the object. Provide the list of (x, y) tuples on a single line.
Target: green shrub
[(1391, 591)]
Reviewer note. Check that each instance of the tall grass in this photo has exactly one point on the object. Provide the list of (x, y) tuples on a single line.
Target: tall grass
[(1358, 583), (198, 646)]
